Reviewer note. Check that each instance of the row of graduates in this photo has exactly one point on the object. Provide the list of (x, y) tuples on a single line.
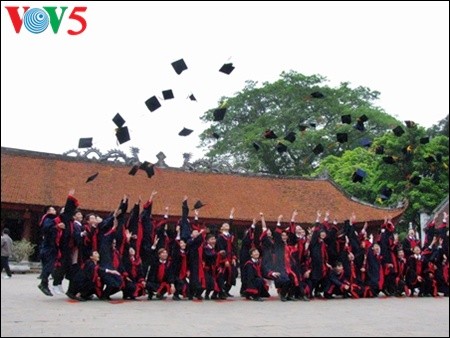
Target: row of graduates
[(191, 259)]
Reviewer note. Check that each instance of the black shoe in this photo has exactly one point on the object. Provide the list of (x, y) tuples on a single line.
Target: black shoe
[(75, 297), (283, 299), (160, 297), (293, 299), (176, 297), (150, 297), (214, 296), (258, 299), (305, 299), (45, 290), (229, 295)]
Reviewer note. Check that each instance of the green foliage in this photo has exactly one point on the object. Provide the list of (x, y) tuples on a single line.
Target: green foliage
[(423, 197), (282, 106), (22, 250)]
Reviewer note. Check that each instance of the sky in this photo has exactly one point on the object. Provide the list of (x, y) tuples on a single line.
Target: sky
[(57, 88)]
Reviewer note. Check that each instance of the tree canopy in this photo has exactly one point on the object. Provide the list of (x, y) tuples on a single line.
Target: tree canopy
[(284, 106), (409, 165)]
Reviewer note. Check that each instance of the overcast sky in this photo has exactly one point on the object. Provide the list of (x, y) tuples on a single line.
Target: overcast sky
[(56, 88)]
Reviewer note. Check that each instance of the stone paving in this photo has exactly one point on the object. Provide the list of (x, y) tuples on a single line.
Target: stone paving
[(25, 311)]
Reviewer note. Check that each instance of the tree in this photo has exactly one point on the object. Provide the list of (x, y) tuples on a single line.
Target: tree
[(284, 106), (411, 158), (440, 128)]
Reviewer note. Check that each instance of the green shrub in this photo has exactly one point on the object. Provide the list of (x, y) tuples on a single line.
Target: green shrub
[(22, 250)]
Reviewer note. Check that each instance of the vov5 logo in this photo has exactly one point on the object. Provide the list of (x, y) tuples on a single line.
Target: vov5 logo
[(36, 20)]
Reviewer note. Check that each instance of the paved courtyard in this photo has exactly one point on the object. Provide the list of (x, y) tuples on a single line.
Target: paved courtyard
[(25, 311)]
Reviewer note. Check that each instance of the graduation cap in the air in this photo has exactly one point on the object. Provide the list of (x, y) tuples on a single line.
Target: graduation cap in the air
[(317, 95), (347, 119), (150, 170), (424, 140), (270, 134), (179, 66), (92, 177), (365, 142), (429, 159), (386, 193), (85, 142), (415, 180), (281, 148), (185, 132), (192, 97), (290, 137), (379, 150), (122, 135), (389, 159), (256, 146), (358, 176), (318, 149), (215, 135), (410, 124), (363, 118), (133, 170), (227, 68), (118, 120), (219, 114), (342, 137), (312, 124), (398, 131), (198, 204), (168, 94), (152, 103)]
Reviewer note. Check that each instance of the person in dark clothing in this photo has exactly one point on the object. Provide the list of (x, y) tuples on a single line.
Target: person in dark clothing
[(7, 244)]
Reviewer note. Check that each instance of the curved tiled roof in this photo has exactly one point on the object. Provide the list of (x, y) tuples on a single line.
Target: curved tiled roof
[(41, 179)]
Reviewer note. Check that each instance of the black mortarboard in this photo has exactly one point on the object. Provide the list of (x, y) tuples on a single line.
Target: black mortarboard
[(398, 131), (118, 120), (313, 124), (318, 149), (410, 124), (92, 177), (122, 135), (192, 97), (134, 170), (347, 119), (342, 137), (185, 132), (168, 94), (256, 146), (415, 180), (144, 165), (198, 204), (424, 140), (281, 148), (317, 95), (360, 126), (388, 159), (216, 135), (85, 142), (429, 159), (219, 114), (152, 103), (290, 137), (150, 170), (365, 142), (358, 175), (179, 66), (270, 134), (363, 118), (386, 193), (379, 150), (302, 127), (227, 68)]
